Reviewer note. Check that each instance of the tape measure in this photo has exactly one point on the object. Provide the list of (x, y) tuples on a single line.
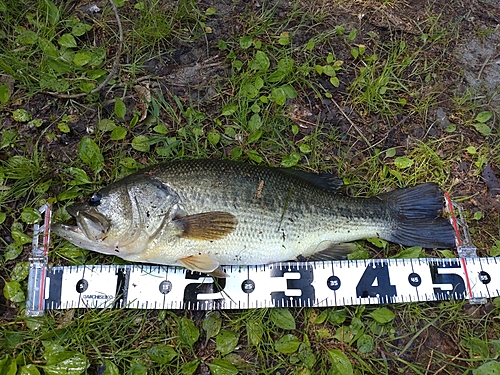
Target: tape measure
[(287, 284)]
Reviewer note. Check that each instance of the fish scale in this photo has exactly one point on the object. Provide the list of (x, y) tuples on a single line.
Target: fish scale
[(206, 213)]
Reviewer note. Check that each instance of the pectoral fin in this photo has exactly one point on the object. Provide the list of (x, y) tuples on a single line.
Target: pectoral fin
[(207, 226)]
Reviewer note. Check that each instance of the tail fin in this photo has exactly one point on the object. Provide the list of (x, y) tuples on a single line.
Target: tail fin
[(417, 216)]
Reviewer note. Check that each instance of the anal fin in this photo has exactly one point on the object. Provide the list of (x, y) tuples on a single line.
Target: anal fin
[(333, 252)]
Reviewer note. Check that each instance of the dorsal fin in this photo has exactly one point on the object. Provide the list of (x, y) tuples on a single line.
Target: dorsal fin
[(325, 181)]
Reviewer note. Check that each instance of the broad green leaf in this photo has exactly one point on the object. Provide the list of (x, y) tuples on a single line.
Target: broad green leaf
[(20, 271), (236, 153), (237, 64), (260, 62), (97, 73), (249, 90), (278, 96), (188, 332), (488, 368), (66, 362), (484, 116), (27, 37), (306, 355), (310, 45), (255, 122), (67, 40), (97, 58), (118, 133), (109, 368), (290, 92), (365, 344), (337, 317), (28, 370), (21, 115), (213, 137), (284, 38), (212, 323), (79, 28), (450, 128), (334, 81), (255, 136), (30, 215), (305, 148), (47, 47), (161, 129), (382, 315), (447, 253), (12, 251), (8, 366), (471, 150), (161, 353), (189, 368), (402, 162), (390, 152), (354, 52), (80, 177), (410, 252), (90, 154), (71, 193), (19, 237), (106, 125), (255, 331), (482, 128), (137, 368), (120, 108), (226, 341), (291, 160), (340, 363), (287, 344), (8, 137), (222, 367), (3, 216), (282, 318), (141, 143), (229, 109), (12, 291), (246, 41), (254, 155), (63, 127), (52, 13), (258, 83), (210, 11), (86, 87), (81, 58)]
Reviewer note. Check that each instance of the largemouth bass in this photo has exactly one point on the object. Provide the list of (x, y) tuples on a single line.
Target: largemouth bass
[(204, 213)]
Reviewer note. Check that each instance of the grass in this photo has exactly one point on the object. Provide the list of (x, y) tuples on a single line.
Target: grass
[(274, 76)]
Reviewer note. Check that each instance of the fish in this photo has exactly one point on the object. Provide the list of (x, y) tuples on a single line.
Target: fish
[(203, 214)]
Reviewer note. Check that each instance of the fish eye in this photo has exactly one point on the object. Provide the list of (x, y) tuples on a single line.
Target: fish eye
[(95, 200)]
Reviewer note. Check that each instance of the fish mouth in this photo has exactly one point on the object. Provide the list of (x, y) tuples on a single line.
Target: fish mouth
[(90, 225)]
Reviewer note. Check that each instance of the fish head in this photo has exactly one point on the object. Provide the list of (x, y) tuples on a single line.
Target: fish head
[(120, 219)]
